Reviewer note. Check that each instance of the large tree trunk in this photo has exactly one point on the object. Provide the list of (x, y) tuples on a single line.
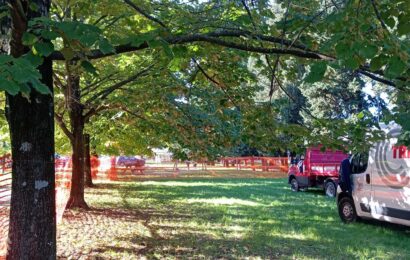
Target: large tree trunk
[(87, 164), (32, 228), (75, 110)]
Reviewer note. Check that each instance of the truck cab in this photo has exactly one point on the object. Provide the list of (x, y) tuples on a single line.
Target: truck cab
[(380, 184), (316, 168)]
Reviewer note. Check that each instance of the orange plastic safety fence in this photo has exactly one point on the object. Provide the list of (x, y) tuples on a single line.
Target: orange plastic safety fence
[(257, 163)]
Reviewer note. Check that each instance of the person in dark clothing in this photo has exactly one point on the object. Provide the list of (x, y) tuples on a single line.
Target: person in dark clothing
[(344, 176)]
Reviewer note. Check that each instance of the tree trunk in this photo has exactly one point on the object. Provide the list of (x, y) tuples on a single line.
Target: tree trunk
[(32, 227), (87, 165), (76, 199), (75, 110)]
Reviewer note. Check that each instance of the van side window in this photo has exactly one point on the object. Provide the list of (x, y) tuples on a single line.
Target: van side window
[(359, 163)]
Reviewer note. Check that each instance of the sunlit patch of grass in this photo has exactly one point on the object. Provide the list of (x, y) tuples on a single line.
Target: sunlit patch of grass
[(235, 218), (224, 201)]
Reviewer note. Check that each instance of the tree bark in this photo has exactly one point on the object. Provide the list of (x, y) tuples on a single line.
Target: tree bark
[(87, 165), (75, 110), (32, 227)]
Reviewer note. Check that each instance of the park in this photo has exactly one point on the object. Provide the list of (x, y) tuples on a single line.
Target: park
[(204, 129)]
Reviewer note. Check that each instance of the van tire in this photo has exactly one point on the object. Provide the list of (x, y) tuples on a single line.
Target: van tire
[(330, 189), (294, 185), (347, 211)]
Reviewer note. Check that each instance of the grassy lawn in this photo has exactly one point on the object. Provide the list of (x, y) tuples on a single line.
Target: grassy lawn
[(224, 218)]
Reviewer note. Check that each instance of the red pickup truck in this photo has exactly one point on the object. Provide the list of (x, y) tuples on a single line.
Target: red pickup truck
[(316, 169)]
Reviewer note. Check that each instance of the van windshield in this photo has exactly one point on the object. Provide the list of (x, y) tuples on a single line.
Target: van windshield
[(359, 162)]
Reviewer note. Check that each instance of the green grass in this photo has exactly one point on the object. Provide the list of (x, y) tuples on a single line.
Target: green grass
[(243, 218)]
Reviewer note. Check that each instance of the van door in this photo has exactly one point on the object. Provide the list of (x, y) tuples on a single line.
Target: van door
[(361, 185), (391, 183)]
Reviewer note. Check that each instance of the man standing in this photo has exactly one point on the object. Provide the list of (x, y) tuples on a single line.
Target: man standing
[(344, 176)]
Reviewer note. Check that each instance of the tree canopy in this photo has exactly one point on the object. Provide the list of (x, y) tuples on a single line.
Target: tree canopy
[(311, 49)]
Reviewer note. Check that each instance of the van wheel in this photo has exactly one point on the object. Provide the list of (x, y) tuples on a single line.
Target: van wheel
[(347, 211), (294, 185), (330, 189)]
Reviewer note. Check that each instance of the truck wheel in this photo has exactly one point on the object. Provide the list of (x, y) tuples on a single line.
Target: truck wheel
[(347, 211), (330, 189), (294, 185)]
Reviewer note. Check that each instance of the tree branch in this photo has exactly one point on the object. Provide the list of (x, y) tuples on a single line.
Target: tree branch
[(298, 50), (58, 82), (94, 85), (214, 81), (94, 111), (106, 92), (378, 15), (132, 113), (143, 13), (100, 19), (63, 126), (376, 78), (214, 38)]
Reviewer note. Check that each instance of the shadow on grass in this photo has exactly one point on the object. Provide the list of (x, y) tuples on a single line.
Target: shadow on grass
[(238, 218)]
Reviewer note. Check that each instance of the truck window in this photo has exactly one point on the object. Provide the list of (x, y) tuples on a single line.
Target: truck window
[(359, 162), (296, 159)]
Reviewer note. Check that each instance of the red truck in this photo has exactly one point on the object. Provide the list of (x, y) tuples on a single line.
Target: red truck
[(316, 169)]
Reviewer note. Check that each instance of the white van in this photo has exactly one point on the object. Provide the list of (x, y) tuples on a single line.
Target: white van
[(380, 182)]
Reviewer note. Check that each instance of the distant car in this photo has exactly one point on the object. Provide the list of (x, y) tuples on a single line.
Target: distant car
[(130, 162)]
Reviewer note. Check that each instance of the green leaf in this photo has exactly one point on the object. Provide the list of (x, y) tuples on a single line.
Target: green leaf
[(403, 28), (378, 62), (390, 22), (68, 28), (180, 51), (43, 48), (175, 64), (360, 115), (19, 75), (33, 7), (368, 51), (352, 63), (89, 67), (35, 60), (343, 50), (23, 70), (317, 71), (25, 89), (49, 35), (67, 53), (396, 67), (88, 39), (167, 50), (9, 86), (144, 37), (40, 87), (29, 39), (4, 58), (153, 43), (106, 47)]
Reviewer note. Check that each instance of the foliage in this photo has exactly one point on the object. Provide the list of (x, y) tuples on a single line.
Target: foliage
[(20, 74), (199, 95)]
